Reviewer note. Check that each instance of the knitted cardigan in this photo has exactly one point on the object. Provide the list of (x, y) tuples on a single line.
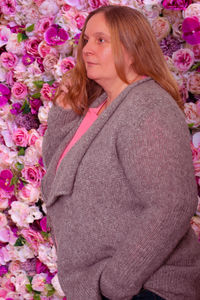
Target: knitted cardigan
[(122, 198)]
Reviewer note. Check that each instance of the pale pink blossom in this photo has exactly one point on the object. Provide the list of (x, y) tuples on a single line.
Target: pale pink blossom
[(14, 266), (80, 20), (39, 281), (43, 24), (196, 142), (20, 137), (4, 196), (9, 77), (195, 224), (8, 60), (3, 74), (29, 194), (31, 46), (5, 33), (192, 116), (49, 8), (43, 112), (193, 10), (56, 285), (23, 214), (20, 281), (47, 255), (33, 135), (4, 255), (194, 83), (3, 220), (4, 234), (38, 2), (44, 49), (67, 64), (183, 59), (14, 46), (160, 27), (32, 154), (19, 90)]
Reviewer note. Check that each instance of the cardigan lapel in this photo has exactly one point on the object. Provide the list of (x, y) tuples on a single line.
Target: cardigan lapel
[(55, 184)]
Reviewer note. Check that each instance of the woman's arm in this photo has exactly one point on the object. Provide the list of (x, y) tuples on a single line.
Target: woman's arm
[(157, 161)]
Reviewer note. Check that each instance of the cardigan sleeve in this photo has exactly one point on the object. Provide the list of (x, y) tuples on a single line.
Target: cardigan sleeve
[(60, 121), (157, 161)]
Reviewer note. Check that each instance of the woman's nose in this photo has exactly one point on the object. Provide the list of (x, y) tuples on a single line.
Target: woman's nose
[(88, 48)]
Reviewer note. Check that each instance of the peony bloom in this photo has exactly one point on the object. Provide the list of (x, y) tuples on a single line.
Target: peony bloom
[(191, 113), (160, 27), (4, 35), (194, 84), (55, 35), (29, 194), (8, 60), (19, 90), (191, 30), (183, 59), (39, 281), (176, 4), (4, 94), (32, 237), (49, 8), (5, 180), (67, 64)]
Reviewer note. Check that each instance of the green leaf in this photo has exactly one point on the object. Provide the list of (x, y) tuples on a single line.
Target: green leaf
[(30, 28), (25, 107), (36, 297), (14, 180), (24, 37), (194, 67), (38, 83), (45, 235), (51, 82), (30, 278), (19, 37), (190, 125), (21, 151), (36, 95), (19, 166), (20, 241), (50, 290), (23, 180), (29, 288)]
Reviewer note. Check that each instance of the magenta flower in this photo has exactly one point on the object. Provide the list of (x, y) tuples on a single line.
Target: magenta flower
[(3, 270), (4, 94), (55, 35), (191, 30), (176, 4), (27, 59), (16, 108), (5, 180), (35, 105)]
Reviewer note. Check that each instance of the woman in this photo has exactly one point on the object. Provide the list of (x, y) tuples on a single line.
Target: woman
[(119, 187)]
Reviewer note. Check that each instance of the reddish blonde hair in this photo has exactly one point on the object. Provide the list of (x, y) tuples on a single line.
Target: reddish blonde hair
[(130, 29)]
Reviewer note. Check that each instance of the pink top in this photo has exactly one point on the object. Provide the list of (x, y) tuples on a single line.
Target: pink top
[(88, 120)]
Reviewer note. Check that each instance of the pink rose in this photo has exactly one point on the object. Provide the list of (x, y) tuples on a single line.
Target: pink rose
[(20, 137), (160, 27), (49, 62), (33, 175), (192, 116), (47, 92), (97, 3), (29, 194), (33, 135), (43, 24), (8, 60), (80, 20), (67, 64), (33, 238), (19, 90), (31, 46), (194, 83), (183, 59), (44, 49)]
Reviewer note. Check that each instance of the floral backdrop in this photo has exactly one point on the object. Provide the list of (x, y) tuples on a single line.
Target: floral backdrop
[(38, 40)]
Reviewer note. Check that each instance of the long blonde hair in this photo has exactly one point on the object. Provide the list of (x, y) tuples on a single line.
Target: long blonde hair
[(130, 29)]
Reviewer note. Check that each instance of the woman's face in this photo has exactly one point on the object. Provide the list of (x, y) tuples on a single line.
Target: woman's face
[(97, 52)]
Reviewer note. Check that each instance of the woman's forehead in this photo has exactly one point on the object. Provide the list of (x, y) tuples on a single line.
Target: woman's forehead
[(97, 23)]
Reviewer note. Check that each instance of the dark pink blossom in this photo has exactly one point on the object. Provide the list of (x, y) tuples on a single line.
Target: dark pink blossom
[(35, 105), (3, 270), (191, 30), (55, 35), (97, 3), (5, 180), (176, 4), (16, 107), (8, 7), (4, 94)]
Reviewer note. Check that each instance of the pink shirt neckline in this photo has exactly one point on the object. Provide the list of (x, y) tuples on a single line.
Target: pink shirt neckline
[(88, 120)]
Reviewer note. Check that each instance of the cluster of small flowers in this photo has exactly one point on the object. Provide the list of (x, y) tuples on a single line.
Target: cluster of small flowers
[(38, 40)]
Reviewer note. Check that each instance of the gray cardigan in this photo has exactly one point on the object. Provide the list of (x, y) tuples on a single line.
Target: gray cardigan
[(122, 198)]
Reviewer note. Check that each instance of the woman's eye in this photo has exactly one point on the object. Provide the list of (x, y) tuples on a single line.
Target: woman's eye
[(101, 40), (85, 41)]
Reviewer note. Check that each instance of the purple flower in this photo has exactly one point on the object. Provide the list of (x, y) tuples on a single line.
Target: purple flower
[(35, 105), (169, 45), (3, 270), (27, 59), (55, 35), (191, 30), (27, 121), (5, 180), (76, 38), (4, 94), (16, 107), (176, 4)]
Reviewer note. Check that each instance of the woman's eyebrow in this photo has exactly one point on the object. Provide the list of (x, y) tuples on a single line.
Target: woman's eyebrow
[(97, 34)]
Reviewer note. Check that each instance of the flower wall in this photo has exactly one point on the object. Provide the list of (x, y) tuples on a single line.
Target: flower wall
[(38, 40)]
